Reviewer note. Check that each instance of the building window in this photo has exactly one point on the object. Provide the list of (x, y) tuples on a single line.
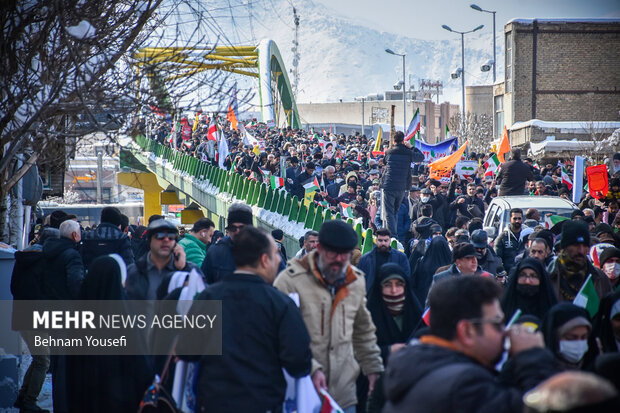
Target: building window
[(498, 124), (508, 66)]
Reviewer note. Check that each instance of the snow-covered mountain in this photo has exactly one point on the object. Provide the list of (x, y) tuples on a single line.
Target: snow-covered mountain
[(341, 59)]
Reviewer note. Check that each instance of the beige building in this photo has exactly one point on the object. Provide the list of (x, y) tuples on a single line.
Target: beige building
[(479, 99), (559, 71), (433, 117)]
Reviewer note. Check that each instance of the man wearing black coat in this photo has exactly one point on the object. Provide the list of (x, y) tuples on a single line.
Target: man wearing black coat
[(107, 238), (64, 270), (513, 174), (454, 364), (248, 376), (396, 179), (301, 179)]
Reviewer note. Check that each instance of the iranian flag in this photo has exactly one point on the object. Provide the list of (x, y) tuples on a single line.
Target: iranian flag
[(188, 144), (426, 317), (329, 405), (587, 297), (311, 186), (414, 126), (212, 134), (550, 221), (347, 210), (492, 163), (276, 182), (566, 178)]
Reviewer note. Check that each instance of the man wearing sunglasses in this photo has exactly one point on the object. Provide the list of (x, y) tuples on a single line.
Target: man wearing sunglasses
[(148, 277), (219, 261), (332, 294), (454, 363)]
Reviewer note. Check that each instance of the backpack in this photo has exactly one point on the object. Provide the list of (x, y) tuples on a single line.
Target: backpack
[(28, 275)]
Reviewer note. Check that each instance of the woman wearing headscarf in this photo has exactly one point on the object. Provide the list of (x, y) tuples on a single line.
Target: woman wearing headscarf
[(528, 289), (106, 383), (568, 334), (437, 255), (395, 312), (608, 323)]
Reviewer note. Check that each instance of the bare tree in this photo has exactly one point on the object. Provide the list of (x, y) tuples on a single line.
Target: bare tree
[(478, 129), (64, 61)]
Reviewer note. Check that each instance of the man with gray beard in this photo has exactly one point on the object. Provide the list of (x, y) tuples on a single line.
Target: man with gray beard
[(332, 296)]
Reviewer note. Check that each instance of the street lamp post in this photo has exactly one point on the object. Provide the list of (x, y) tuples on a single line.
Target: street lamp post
[(404, 89), (362, 99), (478, 8), (462, 73)]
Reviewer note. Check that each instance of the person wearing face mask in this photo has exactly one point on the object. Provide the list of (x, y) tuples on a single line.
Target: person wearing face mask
[(610, 264), (528, 289), (568, 335)]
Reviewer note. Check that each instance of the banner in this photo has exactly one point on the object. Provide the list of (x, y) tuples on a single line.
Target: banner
[(466, 168), (445, 164), (434, 152), (578, 178)]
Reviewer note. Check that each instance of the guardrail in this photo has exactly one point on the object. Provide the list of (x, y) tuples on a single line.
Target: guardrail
[(215, 189)]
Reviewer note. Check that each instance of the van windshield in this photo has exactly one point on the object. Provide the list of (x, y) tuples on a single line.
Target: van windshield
[(563, 212)]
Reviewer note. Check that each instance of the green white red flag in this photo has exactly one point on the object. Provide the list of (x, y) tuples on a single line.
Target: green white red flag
[(550, 221), (587, 297), (566, 178), (276, 182)]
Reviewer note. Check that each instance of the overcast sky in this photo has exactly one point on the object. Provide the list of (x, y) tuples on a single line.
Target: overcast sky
[(423, 19)]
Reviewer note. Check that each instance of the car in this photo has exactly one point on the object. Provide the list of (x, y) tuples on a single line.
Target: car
[(497, 216)]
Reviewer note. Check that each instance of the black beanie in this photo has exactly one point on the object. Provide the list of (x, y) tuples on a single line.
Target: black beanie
[(575, 232), (111, 215)]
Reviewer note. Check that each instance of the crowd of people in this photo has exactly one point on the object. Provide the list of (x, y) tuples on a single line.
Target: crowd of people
[(424, 328)]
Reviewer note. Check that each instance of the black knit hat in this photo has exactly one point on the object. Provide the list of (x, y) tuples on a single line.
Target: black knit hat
[(338, 236), (575, 232), (608, 253), (239, 214), (111, 215)]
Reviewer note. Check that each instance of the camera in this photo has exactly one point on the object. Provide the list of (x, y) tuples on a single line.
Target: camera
[(487, 65), (457, 73)]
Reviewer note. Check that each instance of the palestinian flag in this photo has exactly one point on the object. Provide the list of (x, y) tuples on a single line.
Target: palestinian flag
[(566, 178), (328, 404), (324, 204), (414, 126), (587, 297), (347, 210), (552, 220), (276, 182), (312, 186)]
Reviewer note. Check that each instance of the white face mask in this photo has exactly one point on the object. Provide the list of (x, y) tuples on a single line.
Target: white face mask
[(612, 269), (425, 199), (573, 350)]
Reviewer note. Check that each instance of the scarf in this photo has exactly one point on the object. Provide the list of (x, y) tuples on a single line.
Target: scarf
[(572, 276), (394, 303)]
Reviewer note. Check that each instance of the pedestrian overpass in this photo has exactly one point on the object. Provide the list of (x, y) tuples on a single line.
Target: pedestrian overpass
[(163, 65), (171, 177)]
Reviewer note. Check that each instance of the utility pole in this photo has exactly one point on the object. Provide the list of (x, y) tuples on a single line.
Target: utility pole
[(295, 50), (99, 151), (392, 128)]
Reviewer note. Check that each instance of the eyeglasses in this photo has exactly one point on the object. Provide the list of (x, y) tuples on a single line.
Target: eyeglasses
[(497, 323), (161, 235), (234, 228)]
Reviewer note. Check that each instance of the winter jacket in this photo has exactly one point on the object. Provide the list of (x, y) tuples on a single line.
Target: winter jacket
[(219, 261), (64, 270), (248, 377), (106, 239), (368, 262), (298, 184), (599, 278), (195, 250), (341, 329), (507, 246), (490, 261), (137, 283), (512, 176), (397, 173), (446, 381)]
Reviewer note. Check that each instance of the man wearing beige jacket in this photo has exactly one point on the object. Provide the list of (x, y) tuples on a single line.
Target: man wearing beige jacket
[(332, 295)]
